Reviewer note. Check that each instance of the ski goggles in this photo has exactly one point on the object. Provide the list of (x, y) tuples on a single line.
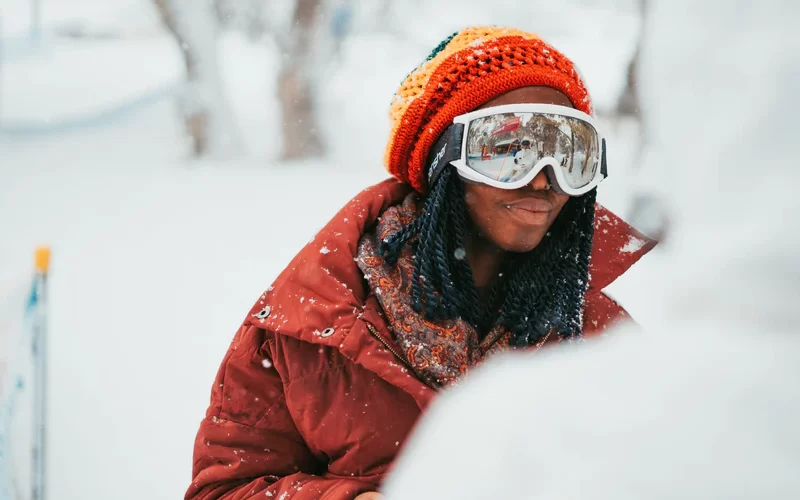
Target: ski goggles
[(507, 146)]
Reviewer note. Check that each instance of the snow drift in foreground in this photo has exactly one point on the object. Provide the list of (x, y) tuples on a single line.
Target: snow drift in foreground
[(705, 405), (689, 415)]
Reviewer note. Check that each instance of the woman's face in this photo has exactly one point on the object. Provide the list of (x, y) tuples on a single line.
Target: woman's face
[(517, 220)]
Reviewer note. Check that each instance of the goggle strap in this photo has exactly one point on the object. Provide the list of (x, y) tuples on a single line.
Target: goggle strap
[(446, 149), (603, 164)]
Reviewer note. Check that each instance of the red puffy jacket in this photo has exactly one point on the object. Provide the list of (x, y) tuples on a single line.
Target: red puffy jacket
[(311, 400)]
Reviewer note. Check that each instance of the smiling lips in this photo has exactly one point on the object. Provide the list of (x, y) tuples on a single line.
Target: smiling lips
[(532, 211)]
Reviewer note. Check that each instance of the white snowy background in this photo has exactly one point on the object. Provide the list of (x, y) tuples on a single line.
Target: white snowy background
[(157, 256)]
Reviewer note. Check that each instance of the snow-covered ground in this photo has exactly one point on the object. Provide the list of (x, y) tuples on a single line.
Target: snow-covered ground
[(156, 258)]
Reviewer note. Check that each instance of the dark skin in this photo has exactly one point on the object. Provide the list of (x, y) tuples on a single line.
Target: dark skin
[(510, 220)]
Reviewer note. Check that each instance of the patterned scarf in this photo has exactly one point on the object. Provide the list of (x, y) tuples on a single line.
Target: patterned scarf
[(441, 352)]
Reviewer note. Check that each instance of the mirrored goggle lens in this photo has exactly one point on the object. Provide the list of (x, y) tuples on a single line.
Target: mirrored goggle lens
[(506, 146)]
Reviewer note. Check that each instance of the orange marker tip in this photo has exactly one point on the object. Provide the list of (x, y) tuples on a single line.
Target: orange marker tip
[(42, 259)]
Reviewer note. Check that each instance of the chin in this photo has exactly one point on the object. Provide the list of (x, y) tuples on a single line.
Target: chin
[(520, 245)]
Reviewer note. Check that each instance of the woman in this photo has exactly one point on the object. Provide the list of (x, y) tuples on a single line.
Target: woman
[(464, 254)]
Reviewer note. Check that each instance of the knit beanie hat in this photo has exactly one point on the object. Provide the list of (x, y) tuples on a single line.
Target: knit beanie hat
[(466, 70)]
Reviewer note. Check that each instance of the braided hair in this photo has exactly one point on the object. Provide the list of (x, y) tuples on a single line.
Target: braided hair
[(539, 291)]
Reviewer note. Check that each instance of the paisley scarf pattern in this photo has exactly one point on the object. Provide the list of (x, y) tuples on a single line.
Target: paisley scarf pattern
[(440, 352)]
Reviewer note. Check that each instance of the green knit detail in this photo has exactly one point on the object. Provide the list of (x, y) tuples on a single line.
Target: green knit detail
[(441, 46), (438, 49)]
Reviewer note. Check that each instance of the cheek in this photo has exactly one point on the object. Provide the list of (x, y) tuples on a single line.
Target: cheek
[(561, 200), (482, 209), (496, 224)]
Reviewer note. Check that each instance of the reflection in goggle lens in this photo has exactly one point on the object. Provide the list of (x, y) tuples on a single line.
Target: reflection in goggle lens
[(506, 146)]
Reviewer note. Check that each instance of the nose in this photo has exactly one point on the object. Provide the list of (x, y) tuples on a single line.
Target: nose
[(540, 182)]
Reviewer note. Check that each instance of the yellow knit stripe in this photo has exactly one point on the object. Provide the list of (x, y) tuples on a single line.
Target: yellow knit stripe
[(414, 85)]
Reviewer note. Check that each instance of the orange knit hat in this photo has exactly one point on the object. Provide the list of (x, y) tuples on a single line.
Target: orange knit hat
[(465, 71)]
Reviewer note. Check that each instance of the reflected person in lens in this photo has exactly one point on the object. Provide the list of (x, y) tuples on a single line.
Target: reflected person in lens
[(485, 239)]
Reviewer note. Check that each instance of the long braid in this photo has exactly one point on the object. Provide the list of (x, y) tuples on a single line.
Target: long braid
[(490, 309), (444, 276), (433, 268), (392, 252), (574, 268), (423, 265), (540, 291), (465, 281), (580, 272)]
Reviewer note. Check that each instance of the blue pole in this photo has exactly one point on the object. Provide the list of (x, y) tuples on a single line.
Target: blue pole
[(39, 351), (33, 336)]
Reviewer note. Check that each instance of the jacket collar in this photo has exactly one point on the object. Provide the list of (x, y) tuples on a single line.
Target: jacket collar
[(616, 246)]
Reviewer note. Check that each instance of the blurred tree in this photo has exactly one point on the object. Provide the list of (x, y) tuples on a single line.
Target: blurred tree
[(208, 118), (647, 211), (301, 137), (628, 104), (299, 36)]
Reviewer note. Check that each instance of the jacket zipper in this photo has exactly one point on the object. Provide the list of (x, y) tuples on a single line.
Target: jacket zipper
[(393, 351)]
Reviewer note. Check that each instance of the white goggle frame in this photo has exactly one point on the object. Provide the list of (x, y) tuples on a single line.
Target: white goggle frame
[(554, 170)]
